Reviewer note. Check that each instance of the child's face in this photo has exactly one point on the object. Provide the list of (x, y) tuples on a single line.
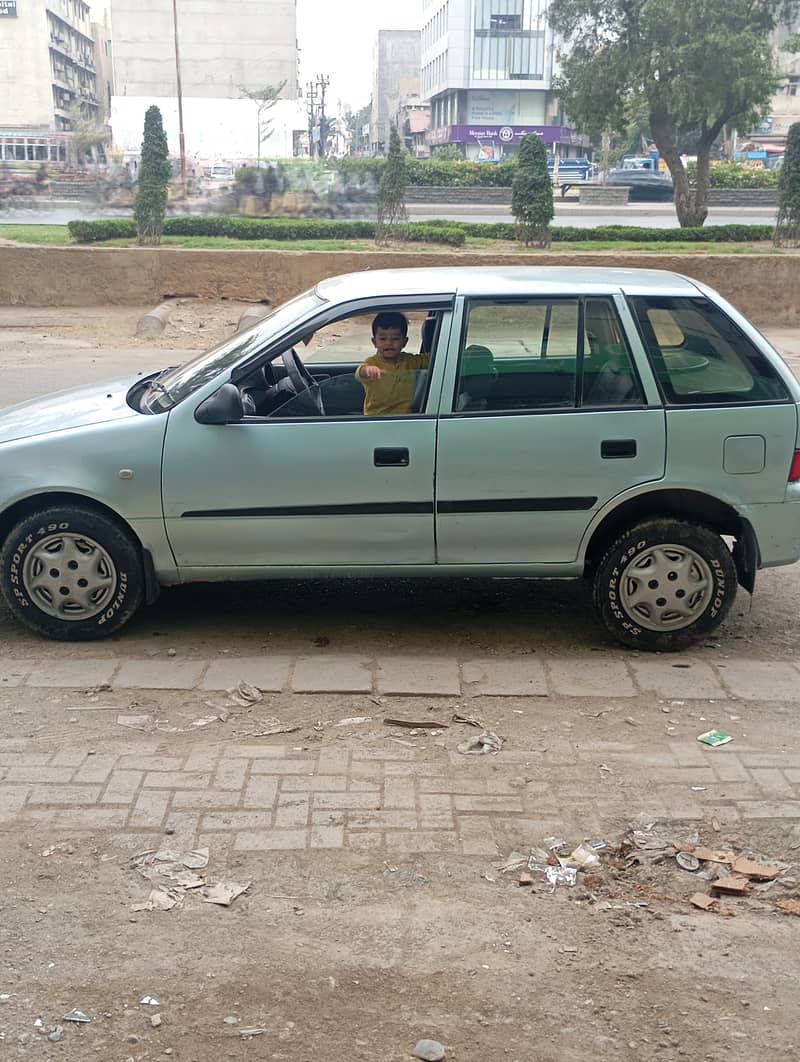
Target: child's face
[(389, 343)]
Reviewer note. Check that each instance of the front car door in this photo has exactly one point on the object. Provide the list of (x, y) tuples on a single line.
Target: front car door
[(303, 486), (545, 419)]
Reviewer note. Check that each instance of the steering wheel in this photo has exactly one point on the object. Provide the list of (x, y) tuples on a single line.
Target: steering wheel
[(300, 378)]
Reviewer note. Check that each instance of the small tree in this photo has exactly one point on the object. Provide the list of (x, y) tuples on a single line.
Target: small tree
[(88, 135), (392, 190), (532, 193), (787, 229), (265, 99), (154, 176)]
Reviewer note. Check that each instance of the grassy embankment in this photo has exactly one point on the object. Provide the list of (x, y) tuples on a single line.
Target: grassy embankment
[(58, 236)]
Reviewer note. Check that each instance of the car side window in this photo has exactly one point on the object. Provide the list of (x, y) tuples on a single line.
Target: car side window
[(330, 385), (544, 354), (700, 356)]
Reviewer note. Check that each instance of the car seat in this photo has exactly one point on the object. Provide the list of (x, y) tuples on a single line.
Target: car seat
[(477, 379), (613, 385), (428, 334)]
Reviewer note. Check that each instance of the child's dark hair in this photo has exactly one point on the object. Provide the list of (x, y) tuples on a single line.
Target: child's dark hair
[(390, 319)]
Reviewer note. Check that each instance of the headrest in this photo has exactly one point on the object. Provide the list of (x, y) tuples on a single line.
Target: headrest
[(476, 361)]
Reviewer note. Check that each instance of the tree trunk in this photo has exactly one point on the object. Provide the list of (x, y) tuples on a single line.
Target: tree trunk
[(703, 181), (691, 209)]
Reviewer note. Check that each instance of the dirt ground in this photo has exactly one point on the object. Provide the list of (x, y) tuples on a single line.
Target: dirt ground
[(350, 955)]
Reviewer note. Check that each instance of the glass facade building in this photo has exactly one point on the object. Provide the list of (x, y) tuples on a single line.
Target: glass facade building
[(487, 68)]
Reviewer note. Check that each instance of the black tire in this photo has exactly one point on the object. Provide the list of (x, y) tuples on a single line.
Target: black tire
[(87, 597), (674, 606)]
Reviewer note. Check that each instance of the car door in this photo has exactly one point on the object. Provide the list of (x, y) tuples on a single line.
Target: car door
[(289, 491), (545, 419), (724, 400)]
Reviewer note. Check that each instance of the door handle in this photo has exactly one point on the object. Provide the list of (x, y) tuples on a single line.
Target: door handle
[(391, 457), (611, 448)]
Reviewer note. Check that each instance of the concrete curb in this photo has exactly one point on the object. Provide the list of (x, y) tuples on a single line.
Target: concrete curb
[(252, 315), (153, 322)]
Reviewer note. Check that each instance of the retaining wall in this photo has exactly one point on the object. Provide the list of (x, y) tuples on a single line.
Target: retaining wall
[(717, 197), (765, 287)]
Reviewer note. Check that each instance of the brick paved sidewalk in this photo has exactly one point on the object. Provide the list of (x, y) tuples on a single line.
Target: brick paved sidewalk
[(573, 675), (254, 797)]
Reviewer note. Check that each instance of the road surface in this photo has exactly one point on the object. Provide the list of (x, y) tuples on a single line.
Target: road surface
[(651, 215)]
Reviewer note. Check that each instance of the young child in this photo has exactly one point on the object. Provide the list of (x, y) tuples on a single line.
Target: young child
[(389, 375)]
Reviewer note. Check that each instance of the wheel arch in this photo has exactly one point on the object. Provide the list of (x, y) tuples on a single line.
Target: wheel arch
[(26, 506), (692, 505)]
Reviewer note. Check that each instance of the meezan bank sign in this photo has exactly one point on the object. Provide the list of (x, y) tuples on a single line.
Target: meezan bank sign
[(504, 134), (8, 8)]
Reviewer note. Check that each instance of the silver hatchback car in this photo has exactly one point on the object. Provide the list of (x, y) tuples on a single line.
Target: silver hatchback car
[(627, 427)]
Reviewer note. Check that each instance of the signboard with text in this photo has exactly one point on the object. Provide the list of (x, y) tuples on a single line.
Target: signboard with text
[(503, 134), (8, 8)]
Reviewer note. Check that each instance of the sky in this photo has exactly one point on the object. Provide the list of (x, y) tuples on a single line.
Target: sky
[(337, 39)]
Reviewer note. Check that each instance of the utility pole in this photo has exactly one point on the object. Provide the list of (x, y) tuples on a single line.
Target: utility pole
[(181, 139), (322, 84), (311, 107), (315, 104)]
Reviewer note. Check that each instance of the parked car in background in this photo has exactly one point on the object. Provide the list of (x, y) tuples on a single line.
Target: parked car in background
[(625, 427), (646, 186), (221, 171)]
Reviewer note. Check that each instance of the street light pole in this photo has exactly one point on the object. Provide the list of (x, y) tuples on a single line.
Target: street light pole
[(181, 139)]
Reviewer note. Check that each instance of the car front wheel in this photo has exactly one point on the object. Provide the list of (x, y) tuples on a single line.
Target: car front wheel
[(71, 574), (665, 584)]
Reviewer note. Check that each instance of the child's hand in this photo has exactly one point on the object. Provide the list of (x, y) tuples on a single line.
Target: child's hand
[(370, 372)]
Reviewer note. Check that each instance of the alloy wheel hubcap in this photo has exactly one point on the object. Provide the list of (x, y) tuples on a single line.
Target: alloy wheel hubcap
[(666, 588), (69, 577)]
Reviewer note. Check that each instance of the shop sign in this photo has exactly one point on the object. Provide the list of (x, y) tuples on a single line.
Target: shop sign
[(503, 134)]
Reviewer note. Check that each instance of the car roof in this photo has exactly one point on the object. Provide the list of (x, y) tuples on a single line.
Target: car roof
[(504, 280)]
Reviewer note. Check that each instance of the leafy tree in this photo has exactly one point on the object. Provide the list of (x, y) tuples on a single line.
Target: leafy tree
[(87, 133), (787, 229), (154, 176), (696, 65), (532, 192), (265, 99), (392, 190), (356, 120)]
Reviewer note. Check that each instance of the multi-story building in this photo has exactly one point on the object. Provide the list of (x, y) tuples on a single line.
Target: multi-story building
[(413, 120), (784, 108), (101, 34), (225, 47), (395, 76), (47, 77), (487, 68)]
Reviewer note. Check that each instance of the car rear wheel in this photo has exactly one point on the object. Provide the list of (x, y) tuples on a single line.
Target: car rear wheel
[(71, 574), (665, 584)]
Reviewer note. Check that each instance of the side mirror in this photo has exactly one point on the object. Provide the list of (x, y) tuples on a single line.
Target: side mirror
[(223, 407)]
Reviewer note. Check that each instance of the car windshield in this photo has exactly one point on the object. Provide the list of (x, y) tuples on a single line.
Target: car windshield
[(172, 386)]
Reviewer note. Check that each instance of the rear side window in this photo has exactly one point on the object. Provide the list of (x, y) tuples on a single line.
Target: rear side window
[(699, 356), (534, 354)]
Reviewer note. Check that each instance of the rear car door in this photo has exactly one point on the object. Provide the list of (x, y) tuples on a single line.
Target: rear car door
[(544, 422), (731, 422)]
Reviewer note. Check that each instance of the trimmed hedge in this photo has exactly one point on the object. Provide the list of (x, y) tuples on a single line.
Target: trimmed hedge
[(287, 229), (432, 172), (450, 233), (736, 175), (505, 230)]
